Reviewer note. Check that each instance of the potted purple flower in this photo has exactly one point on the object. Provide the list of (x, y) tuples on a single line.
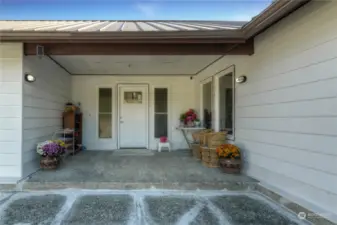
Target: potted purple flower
[(51, 152)]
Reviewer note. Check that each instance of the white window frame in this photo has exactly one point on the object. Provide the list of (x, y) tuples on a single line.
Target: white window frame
[(201, 115), (217, 77), (168, 110), (112, 114)]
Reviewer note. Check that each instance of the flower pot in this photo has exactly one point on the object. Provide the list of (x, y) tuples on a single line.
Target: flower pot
[(230, 165), (49, 162), (197, 123), (190, 124)]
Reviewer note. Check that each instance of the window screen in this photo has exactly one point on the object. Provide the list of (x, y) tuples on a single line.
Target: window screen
[(226, 90), (105, 113), (207, 104), (160, 112)]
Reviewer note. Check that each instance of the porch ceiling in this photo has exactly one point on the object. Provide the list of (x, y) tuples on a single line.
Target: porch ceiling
[(134, 64)]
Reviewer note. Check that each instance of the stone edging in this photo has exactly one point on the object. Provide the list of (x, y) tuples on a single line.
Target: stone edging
[(293, 207)]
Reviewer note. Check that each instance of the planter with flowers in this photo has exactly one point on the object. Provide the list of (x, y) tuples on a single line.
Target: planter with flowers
[(189, 118), (50, 152), (229, 158)]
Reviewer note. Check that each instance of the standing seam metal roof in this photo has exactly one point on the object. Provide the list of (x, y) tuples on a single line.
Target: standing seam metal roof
[(117, 26)]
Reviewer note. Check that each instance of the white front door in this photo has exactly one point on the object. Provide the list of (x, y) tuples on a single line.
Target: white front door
[(133, 116)]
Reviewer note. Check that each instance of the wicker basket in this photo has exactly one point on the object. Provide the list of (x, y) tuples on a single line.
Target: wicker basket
[(211, 164), (214, 139), (196, 151), (209, 157), (196, 136), (202, 135)]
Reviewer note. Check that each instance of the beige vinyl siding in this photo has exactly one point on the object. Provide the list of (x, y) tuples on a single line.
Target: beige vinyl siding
[(43, 104), (286, 112), (10, 111)]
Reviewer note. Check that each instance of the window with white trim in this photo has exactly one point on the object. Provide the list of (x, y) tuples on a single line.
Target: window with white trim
[(206, 103), (105, 113), (160, 112), (225, 101)]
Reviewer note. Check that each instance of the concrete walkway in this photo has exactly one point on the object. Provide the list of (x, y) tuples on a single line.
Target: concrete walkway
[(81, 207), (107, 170)]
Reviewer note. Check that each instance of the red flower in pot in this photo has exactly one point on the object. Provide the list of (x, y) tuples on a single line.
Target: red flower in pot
[(189, 117)]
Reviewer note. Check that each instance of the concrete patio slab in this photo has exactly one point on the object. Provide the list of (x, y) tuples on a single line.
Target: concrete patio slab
[(34, 210), (105, 170)]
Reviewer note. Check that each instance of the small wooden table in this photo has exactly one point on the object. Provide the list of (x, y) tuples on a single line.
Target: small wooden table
[(184, 131)]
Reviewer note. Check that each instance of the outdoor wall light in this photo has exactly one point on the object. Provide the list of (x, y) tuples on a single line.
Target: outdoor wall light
[(29, 78), (241, 79)]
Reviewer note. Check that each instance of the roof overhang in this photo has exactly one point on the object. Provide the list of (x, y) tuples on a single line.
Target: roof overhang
[(184, 42), (246, 48), (271, 15), (226, 36)]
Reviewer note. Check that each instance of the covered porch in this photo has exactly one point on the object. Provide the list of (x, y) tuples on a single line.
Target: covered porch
[(101, 81)]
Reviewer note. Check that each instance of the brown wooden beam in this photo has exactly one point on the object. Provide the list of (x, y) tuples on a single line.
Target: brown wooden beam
[(121, 40), (141, 49)]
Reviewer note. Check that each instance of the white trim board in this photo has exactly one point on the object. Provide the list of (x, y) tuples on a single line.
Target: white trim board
[(113, 138), (201, 98), (169, 114), (216, 113)]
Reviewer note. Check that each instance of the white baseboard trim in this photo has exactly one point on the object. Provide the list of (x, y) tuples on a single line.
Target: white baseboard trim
[(9, 180)]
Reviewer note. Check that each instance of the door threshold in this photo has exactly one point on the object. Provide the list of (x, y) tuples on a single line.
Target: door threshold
[(134, 152)]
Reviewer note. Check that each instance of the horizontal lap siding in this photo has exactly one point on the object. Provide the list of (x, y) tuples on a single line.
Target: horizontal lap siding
[(10, 111), (43, 105), (287, 111)]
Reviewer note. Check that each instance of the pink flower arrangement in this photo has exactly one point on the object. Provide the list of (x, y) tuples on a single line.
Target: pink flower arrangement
[(189, 116)]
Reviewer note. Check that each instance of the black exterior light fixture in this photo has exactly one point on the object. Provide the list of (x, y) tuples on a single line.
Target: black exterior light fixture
[(241, 79), (29, 78)]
